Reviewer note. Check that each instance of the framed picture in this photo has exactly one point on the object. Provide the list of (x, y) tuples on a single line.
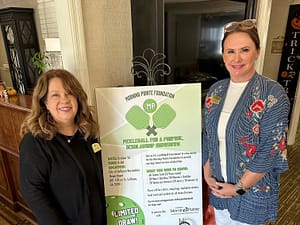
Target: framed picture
[(277, 46)]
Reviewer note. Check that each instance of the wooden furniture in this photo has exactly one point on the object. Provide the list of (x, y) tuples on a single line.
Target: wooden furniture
[(21, 43), (12, 113)]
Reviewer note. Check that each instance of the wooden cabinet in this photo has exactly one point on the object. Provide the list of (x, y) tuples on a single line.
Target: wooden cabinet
[(12, 114), (5, 187), (13, 167), (21, 43)]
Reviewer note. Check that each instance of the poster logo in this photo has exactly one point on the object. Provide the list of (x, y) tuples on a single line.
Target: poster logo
[(185, 222), (122, 210), (151, 116)]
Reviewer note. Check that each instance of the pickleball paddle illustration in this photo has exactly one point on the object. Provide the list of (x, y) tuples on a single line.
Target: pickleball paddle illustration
[(138, 118), (163, 116), (141, 118)]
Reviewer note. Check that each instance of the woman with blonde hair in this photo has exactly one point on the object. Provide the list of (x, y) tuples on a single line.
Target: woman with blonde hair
[(245, 133)]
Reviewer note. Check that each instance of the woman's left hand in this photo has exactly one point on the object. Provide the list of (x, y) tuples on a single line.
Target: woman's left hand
[(224, 190)]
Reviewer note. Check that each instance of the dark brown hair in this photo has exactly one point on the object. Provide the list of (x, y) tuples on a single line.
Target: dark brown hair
[(40, 122)]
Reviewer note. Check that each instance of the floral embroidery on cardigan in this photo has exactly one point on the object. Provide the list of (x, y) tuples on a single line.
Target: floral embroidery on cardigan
[(255, 112), (255, 129), (214, 98), (257, 108), (250, 148), (261, 188), (280, 142)]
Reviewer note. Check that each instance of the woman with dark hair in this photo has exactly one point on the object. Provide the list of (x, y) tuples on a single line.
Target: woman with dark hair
[(244, 135), (61, 176)]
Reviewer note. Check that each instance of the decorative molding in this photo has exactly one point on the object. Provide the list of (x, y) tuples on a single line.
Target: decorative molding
[(71, 34), (263, 21)]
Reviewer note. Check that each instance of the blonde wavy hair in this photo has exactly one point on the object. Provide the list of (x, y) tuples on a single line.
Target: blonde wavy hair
[(40, 122)]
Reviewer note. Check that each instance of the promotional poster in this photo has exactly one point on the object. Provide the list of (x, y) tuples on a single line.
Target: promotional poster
[(151, 151)]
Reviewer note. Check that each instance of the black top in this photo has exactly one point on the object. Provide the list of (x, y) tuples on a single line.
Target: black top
[(84, 157), (62, 182)]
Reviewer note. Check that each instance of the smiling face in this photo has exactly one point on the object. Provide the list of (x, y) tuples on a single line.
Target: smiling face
[(296, 23), (239, 55), (61, 105)]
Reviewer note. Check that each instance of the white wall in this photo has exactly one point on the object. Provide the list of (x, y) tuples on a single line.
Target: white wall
[(108, 35), (277, 26), (96, 42)]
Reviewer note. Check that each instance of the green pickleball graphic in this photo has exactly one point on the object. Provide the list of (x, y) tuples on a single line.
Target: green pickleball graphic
[(137, 117), (123, 210), (150, 105), (163, 116)]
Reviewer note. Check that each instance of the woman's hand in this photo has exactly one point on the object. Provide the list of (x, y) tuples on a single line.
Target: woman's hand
[(223, 190), (211, 182)]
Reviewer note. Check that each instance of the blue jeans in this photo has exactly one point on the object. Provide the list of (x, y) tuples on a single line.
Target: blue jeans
[(222, 217)]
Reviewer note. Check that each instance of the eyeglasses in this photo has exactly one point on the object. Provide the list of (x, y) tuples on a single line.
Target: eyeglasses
[(243, 25)]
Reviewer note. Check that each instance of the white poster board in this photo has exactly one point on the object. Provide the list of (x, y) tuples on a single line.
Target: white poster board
[(151, 151)]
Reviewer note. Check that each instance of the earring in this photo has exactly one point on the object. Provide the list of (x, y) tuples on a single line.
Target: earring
[(48, 116)]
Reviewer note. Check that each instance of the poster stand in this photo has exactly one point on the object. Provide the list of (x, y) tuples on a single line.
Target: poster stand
[(151, 152)]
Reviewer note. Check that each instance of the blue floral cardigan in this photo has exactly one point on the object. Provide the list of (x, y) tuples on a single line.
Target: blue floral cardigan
[(256, 136)]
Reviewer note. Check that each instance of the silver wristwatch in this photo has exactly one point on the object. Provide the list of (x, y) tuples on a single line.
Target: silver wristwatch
[(240, 188)]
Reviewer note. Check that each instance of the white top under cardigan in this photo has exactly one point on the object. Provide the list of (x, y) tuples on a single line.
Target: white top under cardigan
[(234, 92)]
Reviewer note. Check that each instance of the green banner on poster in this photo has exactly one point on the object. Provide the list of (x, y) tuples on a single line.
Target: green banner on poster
[(151, 150)]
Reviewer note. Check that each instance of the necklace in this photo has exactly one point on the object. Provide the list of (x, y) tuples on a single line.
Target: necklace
[(69, 138)]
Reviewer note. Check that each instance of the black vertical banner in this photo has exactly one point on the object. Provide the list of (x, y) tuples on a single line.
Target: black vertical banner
[(290, 58)]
